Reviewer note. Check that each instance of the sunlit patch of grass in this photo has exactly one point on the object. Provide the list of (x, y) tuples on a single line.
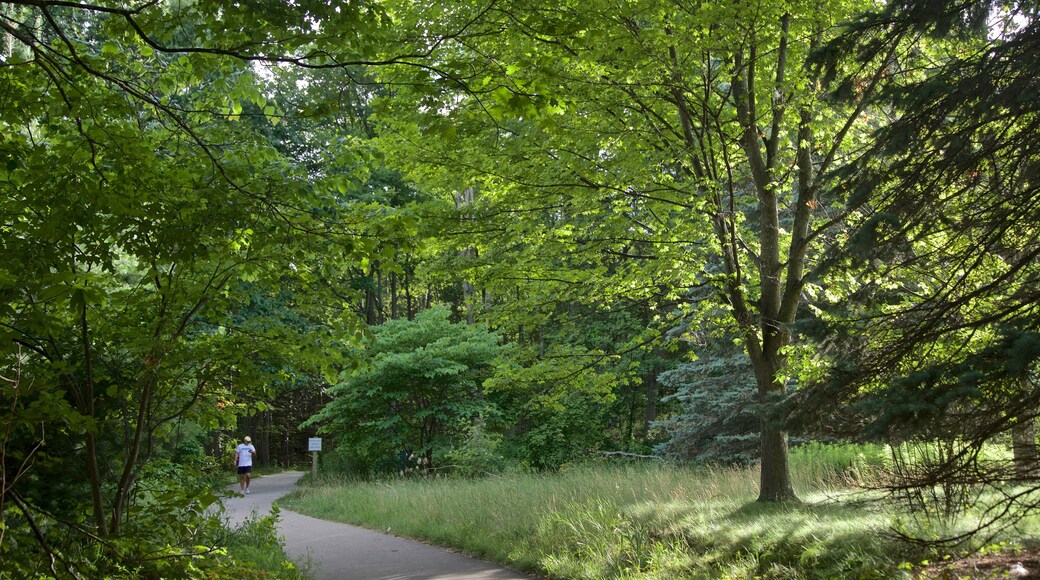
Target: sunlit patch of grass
[(648, 521)]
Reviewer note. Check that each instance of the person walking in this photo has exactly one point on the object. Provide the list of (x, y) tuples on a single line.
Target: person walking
[(244, 461)]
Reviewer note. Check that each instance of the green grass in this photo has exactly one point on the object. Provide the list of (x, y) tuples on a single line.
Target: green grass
[(648, 521), (252, 549)]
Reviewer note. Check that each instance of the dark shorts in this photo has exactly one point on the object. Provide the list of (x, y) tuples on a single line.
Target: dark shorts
[(244, 469)]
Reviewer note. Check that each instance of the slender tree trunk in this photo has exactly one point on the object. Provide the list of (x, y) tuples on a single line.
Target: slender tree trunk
[(1024, 448), (93, 470), (286, 447), (409, 308), (380, 313), (651, 403), (630, 424), (372, 297), (463, 199), (265, 440), (121, 498), (393, 295), (95, 484), (7, 50)]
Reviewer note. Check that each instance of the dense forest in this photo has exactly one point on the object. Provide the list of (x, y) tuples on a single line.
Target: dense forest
[(466, 237)]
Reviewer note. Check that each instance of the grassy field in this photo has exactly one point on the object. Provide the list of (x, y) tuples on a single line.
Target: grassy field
[(644, 521)]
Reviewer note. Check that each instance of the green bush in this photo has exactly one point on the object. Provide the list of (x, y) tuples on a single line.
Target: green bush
[(556, 436), (173, 530), (477, 454), (343, 462), (254, 549)]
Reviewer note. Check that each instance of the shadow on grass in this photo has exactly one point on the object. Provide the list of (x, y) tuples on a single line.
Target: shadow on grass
[(802, 540), (755, 509), (819, 540)]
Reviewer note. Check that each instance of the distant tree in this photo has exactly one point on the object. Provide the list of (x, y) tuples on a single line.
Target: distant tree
[(419, 390), (558, 400), (715, 412)]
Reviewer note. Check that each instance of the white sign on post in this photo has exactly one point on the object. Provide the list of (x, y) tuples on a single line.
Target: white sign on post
[(314, 446)]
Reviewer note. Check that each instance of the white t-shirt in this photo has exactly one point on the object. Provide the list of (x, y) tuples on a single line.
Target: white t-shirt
[(245, 458)]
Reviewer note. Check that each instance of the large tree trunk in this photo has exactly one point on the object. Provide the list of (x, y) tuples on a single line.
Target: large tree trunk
[(776, 267), (775, 471), (775, 477)]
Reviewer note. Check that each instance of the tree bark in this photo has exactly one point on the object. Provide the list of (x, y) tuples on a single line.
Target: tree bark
[(775, 471), (264, 452), (393, 295), (770, 335), (775, 476), (371, 297), (409, 307), (1024, 449), (121, 497), (651, 403), (463, 199), (93, 469)]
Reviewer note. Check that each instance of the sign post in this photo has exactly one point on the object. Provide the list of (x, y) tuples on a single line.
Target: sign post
[(314, 446)]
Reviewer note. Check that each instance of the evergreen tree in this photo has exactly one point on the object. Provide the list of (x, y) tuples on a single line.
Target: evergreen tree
[(941, 343)]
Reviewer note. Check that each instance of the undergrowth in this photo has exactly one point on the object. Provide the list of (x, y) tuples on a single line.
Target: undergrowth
[(644, 521)]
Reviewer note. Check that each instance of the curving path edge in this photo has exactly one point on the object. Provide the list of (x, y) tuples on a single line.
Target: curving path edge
[(334, 551)]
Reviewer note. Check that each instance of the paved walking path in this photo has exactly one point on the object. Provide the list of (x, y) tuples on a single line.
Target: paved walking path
[(342, 552)]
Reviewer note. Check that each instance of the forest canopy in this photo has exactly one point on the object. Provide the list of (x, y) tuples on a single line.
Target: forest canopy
[(502, 233)]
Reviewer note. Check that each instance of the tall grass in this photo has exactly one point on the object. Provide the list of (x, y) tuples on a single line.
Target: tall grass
[(639, 521), (256, 551)]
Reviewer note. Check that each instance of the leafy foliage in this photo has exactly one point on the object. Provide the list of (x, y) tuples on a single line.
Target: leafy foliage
[(207, 206), (949, 271), (419, 392), (624, 155), (148, 230)]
